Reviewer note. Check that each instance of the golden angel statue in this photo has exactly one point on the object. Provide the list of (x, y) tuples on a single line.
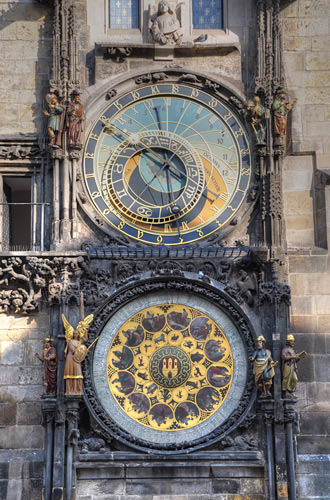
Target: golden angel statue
[(75, 353)]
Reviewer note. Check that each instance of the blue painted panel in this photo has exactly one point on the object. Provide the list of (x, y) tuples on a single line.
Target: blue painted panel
[(124, 14), (207, 14)]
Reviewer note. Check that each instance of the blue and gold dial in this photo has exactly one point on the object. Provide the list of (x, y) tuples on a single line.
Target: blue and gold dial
[(167, 164)]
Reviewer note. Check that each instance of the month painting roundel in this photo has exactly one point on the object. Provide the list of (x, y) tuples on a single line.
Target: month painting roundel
[(167, 164), (169, 369)]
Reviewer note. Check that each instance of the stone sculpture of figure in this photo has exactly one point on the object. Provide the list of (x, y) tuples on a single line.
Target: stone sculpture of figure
[(49, 359), (55, 115), (258, 116), (75, 353), (75, 118), (166, 26), (263, 367), (289, 366), (281, 109)]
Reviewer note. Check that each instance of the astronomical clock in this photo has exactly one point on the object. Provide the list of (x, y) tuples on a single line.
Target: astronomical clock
[(168, 163)]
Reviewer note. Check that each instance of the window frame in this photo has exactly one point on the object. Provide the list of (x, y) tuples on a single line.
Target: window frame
[(120, 31), (38, 208)]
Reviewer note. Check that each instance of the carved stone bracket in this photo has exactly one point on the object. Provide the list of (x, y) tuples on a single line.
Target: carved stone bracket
[(20, 150), (274, 292), (117, 54)]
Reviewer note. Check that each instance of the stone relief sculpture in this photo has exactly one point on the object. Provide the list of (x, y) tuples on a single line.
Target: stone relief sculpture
[(55, 115), (263, 367), (289, 366), (75, 353), (75, 118), (281, 109), (165, 25), (49, 359), (259, 116)]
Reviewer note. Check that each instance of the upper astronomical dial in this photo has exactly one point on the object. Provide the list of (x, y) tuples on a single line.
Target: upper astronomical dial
[(155, 178), (167, 164)]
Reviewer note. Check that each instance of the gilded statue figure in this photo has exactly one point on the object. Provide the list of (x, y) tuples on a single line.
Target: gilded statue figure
[(55, 115), (281, 109), (75, 353), (75, 118), (263, 367), (49, 359), (166, 26), (258, 117), (289, 367)]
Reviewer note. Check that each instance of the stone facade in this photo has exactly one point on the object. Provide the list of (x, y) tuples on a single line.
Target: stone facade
[(76, 253)]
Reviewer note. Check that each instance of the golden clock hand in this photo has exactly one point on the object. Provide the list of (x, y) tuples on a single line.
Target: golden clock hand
[(169, 182), (185, 175), (112, 125)]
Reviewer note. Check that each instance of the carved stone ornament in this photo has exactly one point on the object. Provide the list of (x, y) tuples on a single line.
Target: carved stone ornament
[(165, 23), (19, 150), (169, 398), (118, 54), (24, 281)]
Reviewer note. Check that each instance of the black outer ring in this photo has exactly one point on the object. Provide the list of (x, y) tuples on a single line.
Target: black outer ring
[(126, 294)]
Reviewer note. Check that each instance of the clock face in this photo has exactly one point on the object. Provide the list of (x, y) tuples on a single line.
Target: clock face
[(167, 164), (169, 368)]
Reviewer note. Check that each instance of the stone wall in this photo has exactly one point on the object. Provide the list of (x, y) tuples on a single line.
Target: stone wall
[(168, 480), (21, 381), (307, 65), (21, 433), (26, 47)]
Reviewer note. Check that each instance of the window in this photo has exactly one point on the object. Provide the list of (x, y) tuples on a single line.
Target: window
[(124, 14), (207, 14), (16, 204)]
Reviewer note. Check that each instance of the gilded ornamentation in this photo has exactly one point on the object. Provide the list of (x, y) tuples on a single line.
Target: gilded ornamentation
[(170, 367), (75, 353)]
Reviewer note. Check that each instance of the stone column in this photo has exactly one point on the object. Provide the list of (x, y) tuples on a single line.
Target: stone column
[(48, 413), (72, 417), (267, 409), (289, 419)]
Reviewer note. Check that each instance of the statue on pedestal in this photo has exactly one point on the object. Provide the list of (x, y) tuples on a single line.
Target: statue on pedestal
[(258, 117), (289, 366), (263, 367), (75, 353), (55, 115), (49, 359), (281, 109), (75, 118)]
